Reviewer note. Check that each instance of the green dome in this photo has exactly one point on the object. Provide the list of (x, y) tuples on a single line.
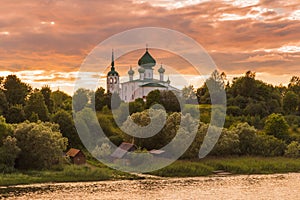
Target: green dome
[(147, 61), (112, 73)]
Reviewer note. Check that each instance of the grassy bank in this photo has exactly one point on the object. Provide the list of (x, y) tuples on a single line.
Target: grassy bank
[(70, 173), (96, 171), (234, 165)]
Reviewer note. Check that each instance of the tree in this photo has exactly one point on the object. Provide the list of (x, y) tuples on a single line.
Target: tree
[(189, 94), (228, 144), (41, 145), (5, 129), (8, 154), (153, 124), (268, 145), (61, 100), (212, 89), (3, 103), (67, 127), (203, 95), (165, 98), (34, 117), (80, 99), (137, 106), (46, 92), (169, 101), (8, 147), (100, 99), (294, 84), (290, 102), (293, 150), (253, 96), (15, 114), (36, 104), (113, 100), (247, 138), (277, 126), (153, 98), (15, 90)]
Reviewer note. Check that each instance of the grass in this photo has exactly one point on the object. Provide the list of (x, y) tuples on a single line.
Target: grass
[(184, 169), (95, 171), (234, 165), (70, 173)]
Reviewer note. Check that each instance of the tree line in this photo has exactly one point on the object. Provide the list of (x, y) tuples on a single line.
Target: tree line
[(261, 119)]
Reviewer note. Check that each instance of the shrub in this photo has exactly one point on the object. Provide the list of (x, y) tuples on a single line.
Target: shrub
[(269, 146), (41, 144), (293, 150)]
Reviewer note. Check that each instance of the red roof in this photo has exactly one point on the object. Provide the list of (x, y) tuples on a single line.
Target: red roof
[(72, 152)]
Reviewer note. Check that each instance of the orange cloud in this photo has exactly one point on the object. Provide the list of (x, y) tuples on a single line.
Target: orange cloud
[(56, 36)]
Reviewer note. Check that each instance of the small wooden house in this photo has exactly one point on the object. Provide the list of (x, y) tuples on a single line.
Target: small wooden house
[(77, 156)]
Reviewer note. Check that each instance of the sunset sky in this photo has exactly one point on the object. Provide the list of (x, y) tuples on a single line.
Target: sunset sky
[(45, 41)]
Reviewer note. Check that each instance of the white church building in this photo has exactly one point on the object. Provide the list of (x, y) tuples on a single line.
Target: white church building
[(138, 88)]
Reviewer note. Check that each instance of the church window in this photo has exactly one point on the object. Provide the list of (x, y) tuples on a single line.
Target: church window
[(116, 80)]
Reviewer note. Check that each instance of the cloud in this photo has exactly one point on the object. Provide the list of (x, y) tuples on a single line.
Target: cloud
[(56, 36)]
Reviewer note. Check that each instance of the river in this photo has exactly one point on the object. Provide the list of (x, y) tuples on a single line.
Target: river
[(277, 186)]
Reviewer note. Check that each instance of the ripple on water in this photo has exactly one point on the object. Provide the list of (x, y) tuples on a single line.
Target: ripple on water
[(278, 186)]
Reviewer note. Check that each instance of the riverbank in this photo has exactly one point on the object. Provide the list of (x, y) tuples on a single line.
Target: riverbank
[(233, 165), (182, 168), (70, 173)]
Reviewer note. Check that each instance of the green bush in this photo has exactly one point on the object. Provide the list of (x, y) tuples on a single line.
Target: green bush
[(293, 150), (267, 145)]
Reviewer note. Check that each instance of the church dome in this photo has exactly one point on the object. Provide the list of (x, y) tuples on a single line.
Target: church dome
[(112, 71), (168, 81), (147, 61), (141, 70), (161, 70), (130, 72)]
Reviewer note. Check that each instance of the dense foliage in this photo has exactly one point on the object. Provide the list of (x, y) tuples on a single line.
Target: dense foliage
[(261, 120)]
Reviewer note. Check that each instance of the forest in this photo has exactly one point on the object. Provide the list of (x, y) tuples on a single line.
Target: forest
[(37, 126)]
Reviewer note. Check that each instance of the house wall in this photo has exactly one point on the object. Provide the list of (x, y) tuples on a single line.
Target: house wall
[(79, 159)]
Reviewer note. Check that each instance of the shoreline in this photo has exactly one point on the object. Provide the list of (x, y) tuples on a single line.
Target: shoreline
[(208, 167), (199, 178)]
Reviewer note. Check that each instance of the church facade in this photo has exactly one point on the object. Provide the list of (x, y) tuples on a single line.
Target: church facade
[(141, 87)]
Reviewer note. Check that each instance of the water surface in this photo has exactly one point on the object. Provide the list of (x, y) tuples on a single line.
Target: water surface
[(277, 186)]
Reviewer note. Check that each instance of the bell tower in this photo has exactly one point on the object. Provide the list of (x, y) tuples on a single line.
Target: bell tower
[(113, 79)]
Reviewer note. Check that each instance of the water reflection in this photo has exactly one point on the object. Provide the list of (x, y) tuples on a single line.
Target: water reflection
[(276, 186)]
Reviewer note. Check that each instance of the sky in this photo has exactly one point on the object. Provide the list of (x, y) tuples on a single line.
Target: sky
[(44, 42)]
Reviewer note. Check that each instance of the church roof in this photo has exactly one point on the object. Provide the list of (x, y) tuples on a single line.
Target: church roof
[(153, 85), (112, 71), (146, 80), (147, 61)]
